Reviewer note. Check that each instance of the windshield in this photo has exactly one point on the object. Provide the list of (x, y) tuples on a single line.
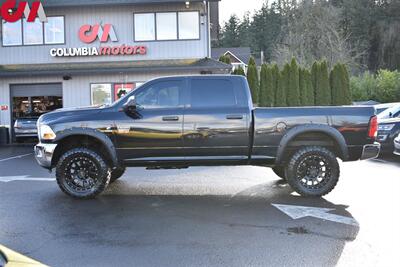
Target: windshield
[(390, 113)]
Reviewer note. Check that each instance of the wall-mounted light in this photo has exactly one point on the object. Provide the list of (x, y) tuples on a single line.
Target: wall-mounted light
[(187, 4)]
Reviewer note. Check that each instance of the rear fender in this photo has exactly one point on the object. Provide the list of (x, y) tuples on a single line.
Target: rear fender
[(319, 128)]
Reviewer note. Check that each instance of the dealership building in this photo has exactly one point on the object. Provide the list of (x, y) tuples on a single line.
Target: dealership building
[(93, 52)]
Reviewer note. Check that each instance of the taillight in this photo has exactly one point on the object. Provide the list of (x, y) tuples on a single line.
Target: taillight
[(373, 127)]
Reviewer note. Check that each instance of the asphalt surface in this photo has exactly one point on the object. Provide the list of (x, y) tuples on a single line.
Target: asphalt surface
[(219, 216)]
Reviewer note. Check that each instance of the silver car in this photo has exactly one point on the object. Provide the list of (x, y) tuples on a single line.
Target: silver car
[(397, 145), (25, 128)]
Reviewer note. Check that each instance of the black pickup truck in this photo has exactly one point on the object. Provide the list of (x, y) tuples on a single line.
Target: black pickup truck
[(178, 122)]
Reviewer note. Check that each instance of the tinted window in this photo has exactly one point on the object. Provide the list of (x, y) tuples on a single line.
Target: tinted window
[(212, 93), (160, 95)]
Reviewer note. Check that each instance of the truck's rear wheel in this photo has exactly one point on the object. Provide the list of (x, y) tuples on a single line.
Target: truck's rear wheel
[(313, 171), (82, 173), (116, 174)]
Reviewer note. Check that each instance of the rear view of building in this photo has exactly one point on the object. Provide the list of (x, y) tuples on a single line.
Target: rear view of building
[(94, 52)]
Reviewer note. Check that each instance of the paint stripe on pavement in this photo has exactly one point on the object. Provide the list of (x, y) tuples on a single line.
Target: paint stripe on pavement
[(16, 157), (6, 179)]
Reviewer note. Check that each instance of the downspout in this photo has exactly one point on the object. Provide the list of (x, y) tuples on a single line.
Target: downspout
[(207, 7)]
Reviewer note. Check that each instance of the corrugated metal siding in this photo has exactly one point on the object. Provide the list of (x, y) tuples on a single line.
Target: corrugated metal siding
[(122, 19)]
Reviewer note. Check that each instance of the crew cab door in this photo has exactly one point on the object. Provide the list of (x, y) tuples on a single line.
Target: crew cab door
[(155, 132), (216, 120)]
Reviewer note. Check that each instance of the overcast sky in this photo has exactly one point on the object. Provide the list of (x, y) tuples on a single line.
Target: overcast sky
[(239, 7)]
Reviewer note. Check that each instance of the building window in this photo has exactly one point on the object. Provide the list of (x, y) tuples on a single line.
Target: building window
[(54, 30), (107, 93), (122, 89), (101, 94), (34, 33), (167, 26), (189, 27), (12, 33), (145, 27)]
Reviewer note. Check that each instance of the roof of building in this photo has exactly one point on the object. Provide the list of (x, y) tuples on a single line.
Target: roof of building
[(65, 69), (241, 53), (61, 3)]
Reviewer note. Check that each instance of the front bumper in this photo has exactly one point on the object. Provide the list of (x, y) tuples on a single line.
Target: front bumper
[(371, 151), (44, 154), (397, 146)]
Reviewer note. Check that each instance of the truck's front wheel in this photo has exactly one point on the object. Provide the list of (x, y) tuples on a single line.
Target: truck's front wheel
[(82, 173), (313, 171), (280, 172), (117, 173)]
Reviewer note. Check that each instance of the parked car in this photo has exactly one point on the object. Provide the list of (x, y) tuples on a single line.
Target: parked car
[(25, 128), (382, 107), (179, 122), (397, 145), (389, 128), (392, 112)]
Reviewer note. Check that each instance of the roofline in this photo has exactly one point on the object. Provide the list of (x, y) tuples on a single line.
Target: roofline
[(235, 57)]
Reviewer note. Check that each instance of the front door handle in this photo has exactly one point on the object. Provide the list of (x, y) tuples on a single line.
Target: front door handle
[(170, 118), (234, 117)]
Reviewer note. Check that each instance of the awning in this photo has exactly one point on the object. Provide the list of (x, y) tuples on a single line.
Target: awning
[(205, 65)]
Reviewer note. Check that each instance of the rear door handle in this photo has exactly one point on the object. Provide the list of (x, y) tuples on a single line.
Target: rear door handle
[(170, 118), (234, 117)]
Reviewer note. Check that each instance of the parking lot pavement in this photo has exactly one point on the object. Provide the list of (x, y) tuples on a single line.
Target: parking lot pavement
[(220, 216)]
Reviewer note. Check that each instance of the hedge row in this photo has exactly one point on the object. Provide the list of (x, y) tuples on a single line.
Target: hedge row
[(296, 86)]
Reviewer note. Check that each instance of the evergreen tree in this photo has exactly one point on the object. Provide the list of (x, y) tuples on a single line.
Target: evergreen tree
[(225, 59), (293, 93), (314, 78), (263, 86), (308, 90), (252, 77), (281, 97), (275, 73), (270, 87), (335, 82), (302, 87), (323, 91), (239, 71), (345, 85)]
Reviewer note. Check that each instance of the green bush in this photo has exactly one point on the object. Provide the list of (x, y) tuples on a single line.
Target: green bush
[(275, 74), (263, 86), (306, 88), (225, 59), (340, 88), (383, 87), (239, 71)]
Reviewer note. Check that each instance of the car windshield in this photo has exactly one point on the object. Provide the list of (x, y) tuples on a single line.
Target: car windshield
[(390, 112)]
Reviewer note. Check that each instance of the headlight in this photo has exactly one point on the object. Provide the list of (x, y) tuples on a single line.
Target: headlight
[(46, 133), (386, 127)]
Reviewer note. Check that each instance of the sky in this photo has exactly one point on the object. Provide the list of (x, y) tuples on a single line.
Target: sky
[(239, 7)]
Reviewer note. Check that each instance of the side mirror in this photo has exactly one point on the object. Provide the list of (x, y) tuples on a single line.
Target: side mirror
[(130, 105)]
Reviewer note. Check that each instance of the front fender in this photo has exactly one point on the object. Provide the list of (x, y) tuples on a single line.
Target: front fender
[(319, 128), (100, 136)]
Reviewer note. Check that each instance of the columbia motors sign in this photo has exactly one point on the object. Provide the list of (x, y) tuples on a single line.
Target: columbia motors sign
[(11, 11), (102, 33)]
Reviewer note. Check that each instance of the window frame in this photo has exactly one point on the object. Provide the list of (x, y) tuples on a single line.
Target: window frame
[(43, 34), (177, 26)]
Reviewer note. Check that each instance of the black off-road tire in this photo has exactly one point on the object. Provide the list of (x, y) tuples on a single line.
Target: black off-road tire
[(117, 173), (280, 172), (100, 173), (306, 159)]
